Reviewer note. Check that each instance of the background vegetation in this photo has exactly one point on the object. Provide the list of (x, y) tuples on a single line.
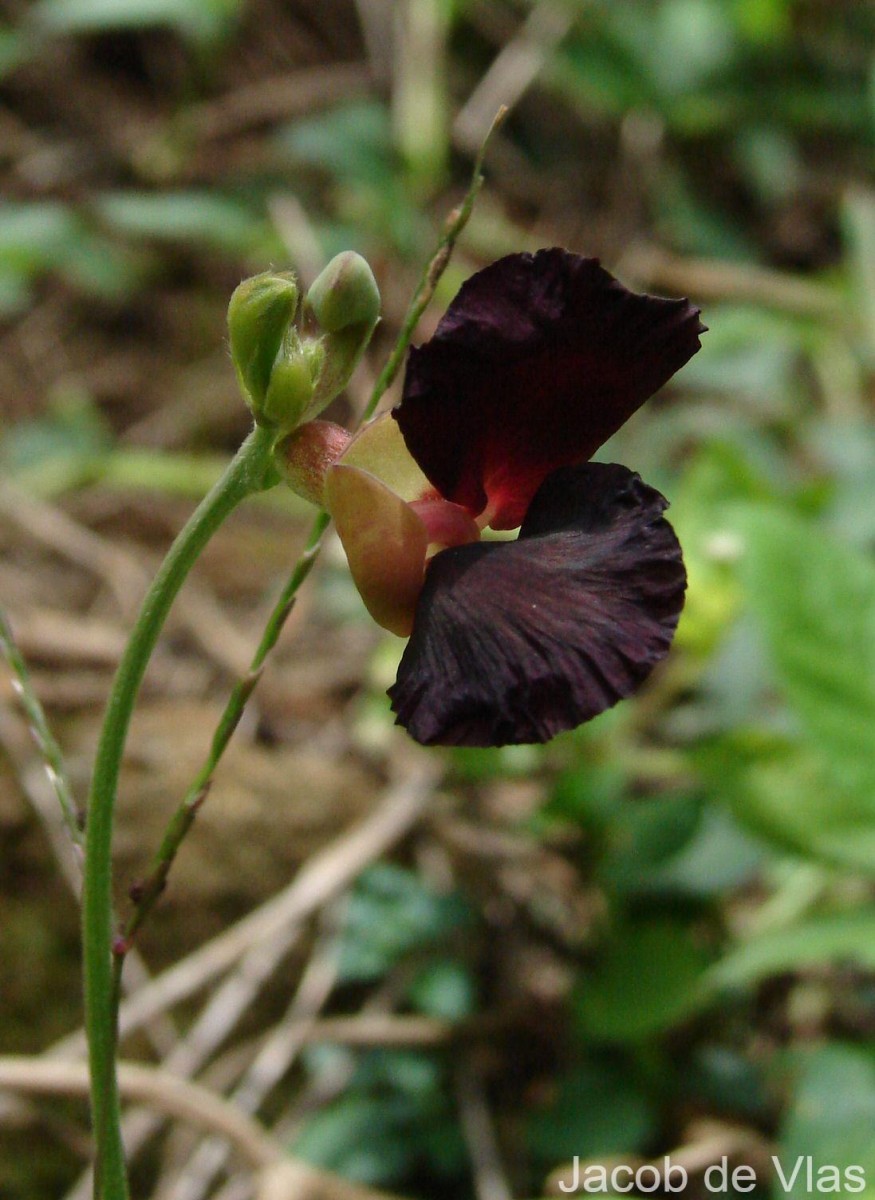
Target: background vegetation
[(655, 935)]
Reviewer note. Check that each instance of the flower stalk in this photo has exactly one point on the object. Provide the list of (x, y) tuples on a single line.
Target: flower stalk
[(435, 267), (270, 358), (145, 894), (249, 472)]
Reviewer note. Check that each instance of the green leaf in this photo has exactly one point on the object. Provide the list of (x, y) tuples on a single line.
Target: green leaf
[(846, 451), (792, 795), (201, 20), (763, 21), (184, 216), (847, 937), (390, 914), (693, 38), (353, 144), (725, 1078), (15, 295), (100, 268), (353, 141), (44, 236), (35, 235), (444, 989), (830, 1120), (858, 218), (393, 1115), (589, 794), (649, 978), (73, 430), (362, 1137), (816, 601), (643, 837), (719, 477), (15, 49), (720, 856), (597, 1111)]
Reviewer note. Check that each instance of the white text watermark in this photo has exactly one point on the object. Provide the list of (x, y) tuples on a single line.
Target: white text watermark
[(802, 1174)]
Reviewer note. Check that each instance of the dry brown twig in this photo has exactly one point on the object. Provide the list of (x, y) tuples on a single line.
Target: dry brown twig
[(187, 1102), (318, 881), (124, 576), (515, 68), (478, 1130), (172, 1096), (51, 527), (260, 941), (712, 280), (279, 97), (45, 785), (278, 1051)]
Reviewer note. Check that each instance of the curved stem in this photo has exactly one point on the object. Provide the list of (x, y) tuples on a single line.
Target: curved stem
[(434, 269), (250, 471), (146, 894)]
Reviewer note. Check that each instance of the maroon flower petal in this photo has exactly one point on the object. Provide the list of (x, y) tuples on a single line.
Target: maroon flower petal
[(517, 641), (538, 360)]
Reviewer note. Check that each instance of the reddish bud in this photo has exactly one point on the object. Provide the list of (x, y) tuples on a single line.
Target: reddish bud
[(305, 457)]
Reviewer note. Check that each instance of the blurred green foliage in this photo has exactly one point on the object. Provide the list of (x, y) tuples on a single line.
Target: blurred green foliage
[(722, 826)]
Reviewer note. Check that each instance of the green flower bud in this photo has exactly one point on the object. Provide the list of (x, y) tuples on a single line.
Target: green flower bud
[(259, 315), (345, 293), (344, 301)]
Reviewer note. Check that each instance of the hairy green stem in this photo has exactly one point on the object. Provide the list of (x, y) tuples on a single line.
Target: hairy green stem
[(434, 269), (250, 471), (145, 895)]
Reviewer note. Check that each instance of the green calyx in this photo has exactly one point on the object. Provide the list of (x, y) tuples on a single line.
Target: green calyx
[(288, 377), (260, 313), (293, 382)]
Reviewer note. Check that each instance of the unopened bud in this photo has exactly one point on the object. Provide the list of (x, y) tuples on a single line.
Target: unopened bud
[(260, 312), (345, 293), (292, 383), (344, 301)]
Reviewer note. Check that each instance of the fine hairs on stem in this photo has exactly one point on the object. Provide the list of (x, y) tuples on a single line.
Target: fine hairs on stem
[(251, 471), (147, 893)]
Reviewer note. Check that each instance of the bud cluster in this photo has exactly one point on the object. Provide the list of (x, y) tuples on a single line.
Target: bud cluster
[(288, 374)]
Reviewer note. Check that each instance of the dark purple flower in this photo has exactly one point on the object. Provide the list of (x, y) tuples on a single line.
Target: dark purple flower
[(518, 641), (538, 360)]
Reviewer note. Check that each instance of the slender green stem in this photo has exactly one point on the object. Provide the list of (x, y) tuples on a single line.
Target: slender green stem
[(250, 471), (43, 736), (434, 269), (145, 894)]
